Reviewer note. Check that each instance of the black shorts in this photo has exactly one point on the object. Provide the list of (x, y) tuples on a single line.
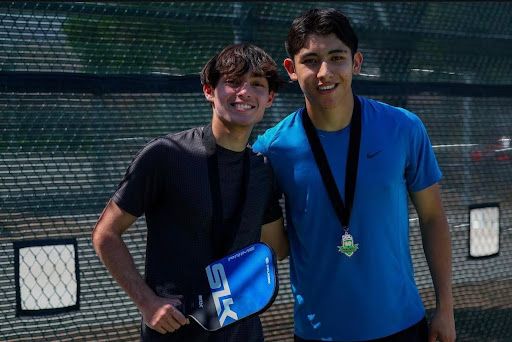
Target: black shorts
[(416, 333)]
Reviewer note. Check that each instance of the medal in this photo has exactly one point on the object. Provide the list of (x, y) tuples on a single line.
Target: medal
[(342, 210), (347, 244)]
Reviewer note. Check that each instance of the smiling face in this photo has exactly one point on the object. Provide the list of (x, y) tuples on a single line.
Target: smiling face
[(239, 101), (324, 69)]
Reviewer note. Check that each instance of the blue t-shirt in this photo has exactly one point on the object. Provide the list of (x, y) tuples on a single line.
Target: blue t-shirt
[(372, 294)]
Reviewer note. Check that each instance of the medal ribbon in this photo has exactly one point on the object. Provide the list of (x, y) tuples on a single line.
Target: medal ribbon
[(342, 211), (223, 230)]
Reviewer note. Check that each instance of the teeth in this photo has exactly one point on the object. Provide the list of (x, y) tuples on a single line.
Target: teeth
[(242, 106), (326, 87)]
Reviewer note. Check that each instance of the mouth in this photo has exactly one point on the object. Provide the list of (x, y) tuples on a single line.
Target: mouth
[(327, 87), (242, 106)]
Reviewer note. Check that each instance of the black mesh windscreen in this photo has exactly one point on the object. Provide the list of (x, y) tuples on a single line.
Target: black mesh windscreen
[(83, 86)]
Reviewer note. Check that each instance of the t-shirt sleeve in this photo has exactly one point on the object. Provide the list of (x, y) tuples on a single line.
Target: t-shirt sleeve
[(140, 186), (273, 211), (422, 169), (260, 145)]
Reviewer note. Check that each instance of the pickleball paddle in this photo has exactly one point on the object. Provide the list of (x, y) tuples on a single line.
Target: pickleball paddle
[(241, 285)]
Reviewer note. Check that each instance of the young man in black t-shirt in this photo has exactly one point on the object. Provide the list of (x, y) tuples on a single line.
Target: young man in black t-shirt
[(204, 194)]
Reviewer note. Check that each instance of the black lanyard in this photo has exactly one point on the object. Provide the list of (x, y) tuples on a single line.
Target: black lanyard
[(223, 230), (342, 211)]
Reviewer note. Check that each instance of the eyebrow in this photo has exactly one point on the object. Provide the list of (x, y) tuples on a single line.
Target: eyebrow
[(256, 75), (312, 54), (251, 75)]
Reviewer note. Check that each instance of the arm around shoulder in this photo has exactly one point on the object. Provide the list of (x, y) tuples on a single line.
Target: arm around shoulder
[(274, 234)]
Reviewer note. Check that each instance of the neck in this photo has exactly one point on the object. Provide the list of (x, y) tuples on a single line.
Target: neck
[(230, 137), (331, 120)]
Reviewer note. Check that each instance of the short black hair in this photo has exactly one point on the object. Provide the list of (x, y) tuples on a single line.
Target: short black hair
[(320, 22)]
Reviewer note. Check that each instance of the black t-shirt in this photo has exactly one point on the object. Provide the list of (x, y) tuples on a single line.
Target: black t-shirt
[(168, 181)]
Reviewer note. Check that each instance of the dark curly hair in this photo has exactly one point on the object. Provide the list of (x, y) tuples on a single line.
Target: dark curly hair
[(237, 59)]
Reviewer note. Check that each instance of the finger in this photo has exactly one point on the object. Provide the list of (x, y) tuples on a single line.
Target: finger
[(154, 324), (168, 326), (158, 328), (178, 315), (432, 337), (173, 323), (164, 322), (174, 317)]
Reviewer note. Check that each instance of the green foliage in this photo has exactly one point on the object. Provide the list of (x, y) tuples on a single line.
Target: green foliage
[(126, 44)]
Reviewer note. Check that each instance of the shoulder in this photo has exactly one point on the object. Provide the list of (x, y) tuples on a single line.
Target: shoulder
[(167, 145), (186, 136), (282, 131), (182, 138), (377, 111)]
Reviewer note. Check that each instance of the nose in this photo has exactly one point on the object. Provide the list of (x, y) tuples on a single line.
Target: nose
[(244, 89), (324, 71)]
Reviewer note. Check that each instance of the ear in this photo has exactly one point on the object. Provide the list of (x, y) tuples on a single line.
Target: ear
[(358, 61), (208, 92), (271, 97), (290, 68)]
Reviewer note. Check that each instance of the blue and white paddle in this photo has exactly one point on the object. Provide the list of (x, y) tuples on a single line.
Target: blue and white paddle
[(242, 284)]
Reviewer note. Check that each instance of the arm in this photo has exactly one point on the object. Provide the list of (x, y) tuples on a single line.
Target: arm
[(274, 234), (435, 234), (158, 313)]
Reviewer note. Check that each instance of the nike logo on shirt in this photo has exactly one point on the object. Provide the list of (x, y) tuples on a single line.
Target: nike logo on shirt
[(371, 155)]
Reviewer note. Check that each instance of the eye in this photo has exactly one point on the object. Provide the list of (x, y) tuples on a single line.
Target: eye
[(259, 81), (232, 82), (309, 61)]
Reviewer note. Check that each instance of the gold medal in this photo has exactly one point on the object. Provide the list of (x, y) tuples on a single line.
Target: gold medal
[(347, 244)]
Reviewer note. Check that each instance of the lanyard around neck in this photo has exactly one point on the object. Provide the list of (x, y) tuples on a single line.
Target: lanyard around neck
[(342, 211), (223, 230)]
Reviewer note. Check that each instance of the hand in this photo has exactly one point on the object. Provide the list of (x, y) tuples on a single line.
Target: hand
[(160, 314), (442, 326)]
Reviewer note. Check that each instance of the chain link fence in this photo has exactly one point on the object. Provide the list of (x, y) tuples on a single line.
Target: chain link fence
[(83, 86)]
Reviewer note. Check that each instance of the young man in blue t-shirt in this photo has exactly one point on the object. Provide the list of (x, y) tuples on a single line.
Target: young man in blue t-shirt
[(345, 164)]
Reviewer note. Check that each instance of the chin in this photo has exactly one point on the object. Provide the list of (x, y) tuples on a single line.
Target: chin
[(241, 123)]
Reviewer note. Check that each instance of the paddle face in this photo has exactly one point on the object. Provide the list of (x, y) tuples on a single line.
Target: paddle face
[(242, 284)]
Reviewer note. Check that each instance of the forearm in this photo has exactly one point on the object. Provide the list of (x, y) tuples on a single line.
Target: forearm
[(437, 247), (158, 313), (114, 254)]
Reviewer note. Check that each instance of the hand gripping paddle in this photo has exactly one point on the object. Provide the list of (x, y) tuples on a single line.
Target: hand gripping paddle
[(242, 284)]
